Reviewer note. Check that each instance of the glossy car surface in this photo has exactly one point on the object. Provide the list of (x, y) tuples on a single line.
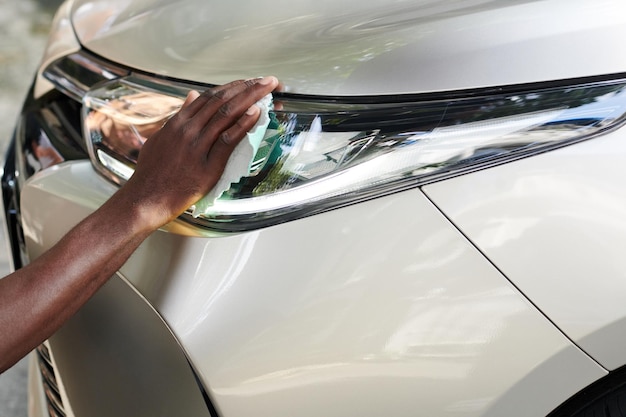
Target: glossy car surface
[(462, 256)]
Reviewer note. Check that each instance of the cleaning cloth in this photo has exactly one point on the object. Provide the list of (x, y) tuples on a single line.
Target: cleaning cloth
[(240, 160)]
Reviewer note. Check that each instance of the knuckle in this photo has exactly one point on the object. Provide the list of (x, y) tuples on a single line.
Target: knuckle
[(208, 93), (226, 110), (221, 95), (225, 139), (251, 82), (174, 121), (188, 133)]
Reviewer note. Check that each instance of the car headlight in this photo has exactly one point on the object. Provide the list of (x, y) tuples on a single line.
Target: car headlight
[(321, 153)]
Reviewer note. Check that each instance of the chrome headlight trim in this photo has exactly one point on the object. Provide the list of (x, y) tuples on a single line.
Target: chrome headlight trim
[(326, 152), (74, 75)]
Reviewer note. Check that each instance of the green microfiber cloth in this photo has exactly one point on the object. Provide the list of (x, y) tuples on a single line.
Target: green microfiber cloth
[(240, 160)]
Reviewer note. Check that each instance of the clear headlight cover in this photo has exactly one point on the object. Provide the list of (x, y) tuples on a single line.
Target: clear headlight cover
[(320, 154)]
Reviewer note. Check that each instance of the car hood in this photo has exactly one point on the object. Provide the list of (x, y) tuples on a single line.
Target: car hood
[(358, 47)]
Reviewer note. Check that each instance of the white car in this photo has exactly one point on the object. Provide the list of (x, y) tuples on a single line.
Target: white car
[(434, 223)]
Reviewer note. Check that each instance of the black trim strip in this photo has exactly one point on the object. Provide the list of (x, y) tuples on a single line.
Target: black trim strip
[(393, 98)]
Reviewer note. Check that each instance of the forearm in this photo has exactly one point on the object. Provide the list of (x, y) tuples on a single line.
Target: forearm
[(37, 299), (176, 167)]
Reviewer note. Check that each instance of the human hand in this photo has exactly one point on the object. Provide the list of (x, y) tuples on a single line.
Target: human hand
[(180, 163)]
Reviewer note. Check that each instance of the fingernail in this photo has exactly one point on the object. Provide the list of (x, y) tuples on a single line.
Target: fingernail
[(267, 80), (252, 110)]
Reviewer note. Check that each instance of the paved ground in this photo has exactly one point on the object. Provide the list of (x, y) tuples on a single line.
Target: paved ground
[(24, 26)]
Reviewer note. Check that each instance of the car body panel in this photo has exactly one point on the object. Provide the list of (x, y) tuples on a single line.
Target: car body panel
[(357, 47), (36, 397), (116, 344), (496, 293), (399, 313), (555, 225)]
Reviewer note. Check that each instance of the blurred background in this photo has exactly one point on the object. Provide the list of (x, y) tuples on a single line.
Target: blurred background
[(24, 26)]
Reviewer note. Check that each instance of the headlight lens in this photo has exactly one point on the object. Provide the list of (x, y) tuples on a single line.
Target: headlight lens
[(117, 120), (321, 153)]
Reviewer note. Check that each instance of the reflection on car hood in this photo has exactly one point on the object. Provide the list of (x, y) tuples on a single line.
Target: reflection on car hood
[(355, 47)]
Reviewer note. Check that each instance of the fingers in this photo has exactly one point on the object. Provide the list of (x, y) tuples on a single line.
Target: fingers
[(222, 106), (208, 117), (196, 144), (206, 97), (280, 88), (222, 148), (232, 104)]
